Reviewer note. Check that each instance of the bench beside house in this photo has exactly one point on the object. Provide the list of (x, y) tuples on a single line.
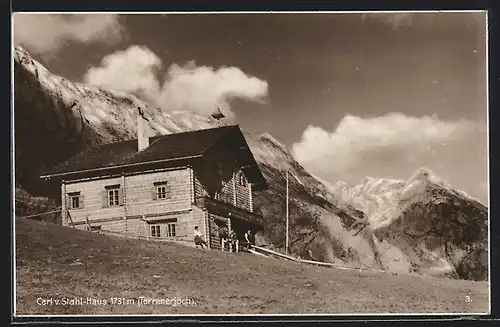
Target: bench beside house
[(161, 187)]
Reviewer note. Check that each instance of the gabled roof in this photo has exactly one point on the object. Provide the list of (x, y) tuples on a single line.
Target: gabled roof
[(164, 148)]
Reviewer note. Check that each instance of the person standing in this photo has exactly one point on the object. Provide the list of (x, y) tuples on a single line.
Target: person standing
[(233, 241), (249, 237)]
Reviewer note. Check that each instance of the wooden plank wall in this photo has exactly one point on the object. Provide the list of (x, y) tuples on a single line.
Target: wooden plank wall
[(242, 192), (92, 200), (140, 191), (197, 219), (138, 199), (215, 222), (136, 227), (199, 189)]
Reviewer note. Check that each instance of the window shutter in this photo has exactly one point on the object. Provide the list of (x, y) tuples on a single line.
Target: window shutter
[(153, 193), (81, 200), (120, 196), (105, 199), (168, 193)]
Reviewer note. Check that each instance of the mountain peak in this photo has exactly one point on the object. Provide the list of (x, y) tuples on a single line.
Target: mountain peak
[(420, 182), (426, 174)]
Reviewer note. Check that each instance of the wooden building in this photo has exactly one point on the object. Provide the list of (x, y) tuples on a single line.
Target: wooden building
[(163, 186)]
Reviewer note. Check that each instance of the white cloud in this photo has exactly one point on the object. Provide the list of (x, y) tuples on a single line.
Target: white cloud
[(202, 89), (188, 87), (133, 70), (47, 33), (386, 146)]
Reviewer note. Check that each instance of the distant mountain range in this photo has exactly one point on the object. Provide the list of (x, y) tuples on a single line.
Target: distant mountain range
[(420, 225)]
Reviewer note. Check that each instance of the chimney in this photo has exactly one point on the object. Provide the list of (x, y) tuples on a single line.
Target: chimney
[(142, 137)]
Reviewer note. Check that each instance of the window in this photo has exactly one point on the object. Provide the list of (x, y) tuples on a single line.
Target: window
[(155, 231), (114, 197), (75, 200), (160, 190), (242, 180), (171, 230)]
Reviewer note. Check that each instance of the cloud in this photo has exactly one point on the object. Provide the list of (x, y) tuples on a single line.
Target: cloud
[(393, 146), (187, 87), (395, 20), (202, 89), (356, 136), (133, 70), (45, 34)]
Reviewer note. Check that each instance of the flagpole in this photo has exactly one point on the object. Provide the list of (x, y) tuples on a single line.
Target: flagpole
[(286, 246)]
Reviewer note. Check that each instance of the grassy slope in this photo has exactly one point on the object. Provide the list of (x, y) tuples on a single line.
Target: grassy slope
[(218, 282)]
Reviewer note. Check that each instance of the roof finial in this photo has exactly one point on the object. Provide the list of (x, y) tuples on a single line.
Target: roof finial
[(217, 115)]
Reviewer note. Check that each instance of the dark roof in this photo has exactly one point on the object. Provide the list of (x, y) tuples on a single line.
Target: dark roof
[(178, 146)]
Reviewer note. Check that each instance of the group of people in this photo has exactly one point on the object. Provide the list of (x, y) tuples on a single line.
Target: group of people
[(233, 241), (230, 239)]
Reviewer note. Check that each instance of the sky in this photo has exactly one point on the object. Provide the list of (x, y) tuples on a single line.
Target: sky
[(350, 94)]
